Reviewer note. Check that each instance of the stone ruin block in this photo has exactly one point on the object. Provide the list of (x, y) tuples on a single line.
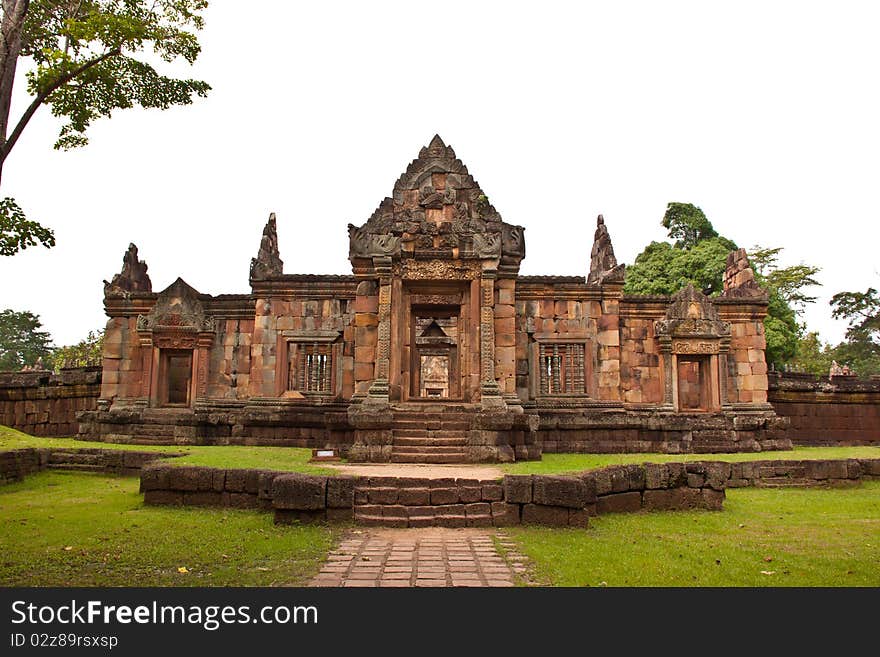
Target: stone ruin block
[(155, 477), (569, 492), (190, 478), (619, 503), (539, 514), (299, 492), (340, 492), (518, 489), (504, 514)]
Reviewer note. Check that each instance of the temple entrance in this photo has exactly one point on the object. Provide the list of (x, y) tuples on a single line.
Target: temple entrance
[(434, 366), (178, 377), (694, 383)]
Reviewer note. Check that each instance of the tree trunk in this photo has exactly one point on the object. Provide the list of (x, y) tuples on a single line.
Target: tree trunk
[(14, 12)]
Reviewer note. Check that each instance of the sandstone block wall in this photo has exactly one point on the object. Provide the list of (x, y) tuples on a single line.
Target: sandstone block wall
[(843, 410), (18, 463), (553, 500), (46, 404)]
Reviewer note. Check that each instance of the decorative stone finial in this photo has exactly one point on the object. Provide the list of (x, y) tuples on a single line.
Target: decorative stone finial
[(268, 262), (603, 264), (739, 278), (132, 278)]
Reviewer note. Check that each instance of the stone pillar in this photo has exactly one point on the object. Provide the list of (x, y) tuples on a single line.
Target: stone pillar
[(365, 329), (378, 392), (669, 377), (608, 337), (505, 340), (490, 393)]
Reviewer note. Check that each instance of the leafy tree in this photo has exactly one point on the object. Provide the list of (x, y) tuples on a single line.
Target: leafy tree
[(88, 59), (87, 351), (699, 256), (21, 341), (788, 282), (861, 350), (787, 299), (812, 356), (17, 232), (687, 224)]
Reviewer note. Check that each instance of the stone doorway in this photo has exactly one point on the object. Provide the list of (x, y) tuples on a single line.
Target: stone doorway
[(434, 368), (177, 377)]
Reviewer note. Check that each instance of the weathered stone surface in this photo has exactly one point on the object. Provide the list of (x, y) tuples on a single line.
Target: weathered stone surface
[(340, 492), (658, 499), (444, 496), (504, 514), (570, 492), (619, 503), (539, 514), (518, 489), (468, 494), (190, 478), (656, 475), (299, 492), (492, 492), (414, 496)]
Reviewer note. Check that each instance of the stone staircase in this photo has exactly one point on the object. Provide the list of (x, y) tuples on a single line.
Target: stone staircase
[(429, 503), (430, 436)]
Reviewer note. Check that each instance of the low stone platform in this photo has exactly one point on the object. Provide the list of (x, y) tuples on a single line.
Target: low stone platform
[(552, 500)]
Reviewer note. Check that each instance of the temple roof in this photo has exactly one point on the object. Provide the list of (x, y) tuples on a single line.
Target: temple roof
[(437, 209)]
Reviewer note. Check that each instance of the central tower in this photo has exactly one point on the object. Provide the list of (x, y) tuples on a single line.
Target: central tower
[(445, 267)]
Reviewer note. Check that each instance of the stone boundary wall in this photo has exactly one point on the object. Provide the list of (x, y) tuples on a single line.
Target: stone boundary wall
[(16, 464), (823, 411), (554, 500), (43, 403)]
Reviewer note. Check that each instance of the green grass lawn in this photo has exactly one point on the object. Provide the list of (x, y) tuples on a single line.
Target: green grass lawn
[(75, 529), (796, 536), (562, 463), (295, 459), (288, 459)]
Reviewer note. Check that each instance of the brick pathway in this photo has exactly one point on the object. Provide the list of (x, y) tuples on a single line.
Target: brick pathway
[(432, 556)]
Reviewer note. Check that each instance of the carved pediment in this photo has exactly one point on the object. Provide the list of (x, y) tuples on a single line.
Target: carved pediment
[(177, 310), (691, 313), (437, 211)]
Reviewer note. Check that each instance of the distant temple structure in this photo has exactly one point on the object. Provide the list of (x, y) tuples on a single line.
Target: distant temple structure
[(435, 349)]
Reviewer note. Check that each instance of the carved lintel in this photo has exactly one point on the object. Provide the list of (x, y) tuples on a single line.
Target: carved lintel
[(696, 346)]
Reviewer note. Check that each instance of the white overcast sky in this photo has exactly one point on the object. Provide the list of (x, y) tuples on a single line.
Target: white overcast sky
[(765, 114)]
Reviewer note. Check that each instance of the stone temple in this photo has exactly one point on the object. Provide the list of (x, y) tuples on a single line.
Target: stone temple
[(435, 349)]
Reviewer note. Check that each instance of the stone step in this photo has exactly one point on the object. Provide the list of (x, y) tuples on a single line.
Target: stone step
[(380, 521), (785, 482), (80, 467), (432, 449), (428, 457), (407, 441), (434, 417), (406, 432), (372, 520), (166, 430)]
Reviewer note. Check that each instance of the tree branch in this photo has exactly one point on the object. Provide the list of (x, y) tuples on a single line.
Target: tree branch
[(44, 94)]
